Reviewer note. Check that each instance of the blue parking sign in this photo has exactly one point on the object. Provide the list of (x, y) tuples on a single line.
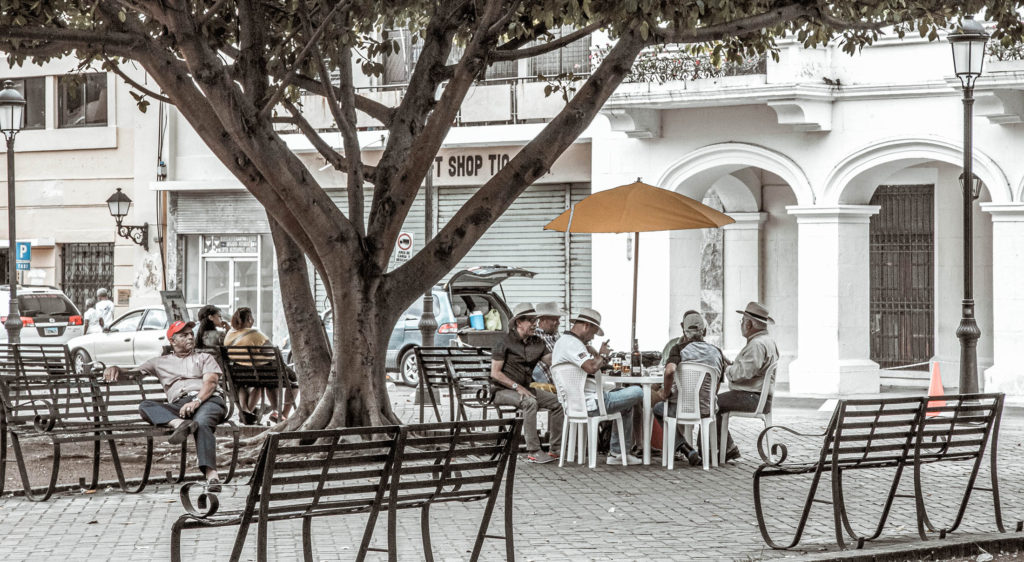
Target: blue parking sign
[(23, 251)]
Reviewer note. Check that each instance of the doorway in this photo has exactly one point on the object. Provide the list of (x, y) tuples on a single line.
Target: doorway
[(903, 276)]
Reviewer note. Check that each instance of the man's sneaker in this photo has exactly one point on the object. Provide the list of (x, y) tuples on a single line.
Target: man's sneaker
[(732, 454), (213, 485), (539, 457), (693, 457), (617, 459)]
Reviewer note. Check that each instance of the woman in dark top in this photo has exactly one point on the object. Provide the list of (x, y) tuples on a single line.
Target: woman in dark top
[(208, 336)]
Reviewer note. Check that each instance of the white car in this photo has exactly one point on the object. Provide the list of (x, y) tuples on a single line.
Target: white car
[(47, 315), (133, 338)]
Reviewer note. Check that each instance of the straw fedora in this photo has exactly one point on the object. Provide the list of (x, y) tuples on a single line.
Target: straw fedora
[(590, 316), (757, 311), (523, 310), (549, 309)]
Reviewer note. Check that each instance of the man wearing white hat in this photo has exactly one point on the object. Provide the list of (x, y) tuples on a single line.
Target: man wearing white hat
[(573, 349), (746, 374), (512, 362)]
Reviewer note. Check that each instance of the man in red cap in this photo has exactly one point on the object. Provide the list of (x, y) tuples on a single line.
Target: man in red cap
[(194, 404)]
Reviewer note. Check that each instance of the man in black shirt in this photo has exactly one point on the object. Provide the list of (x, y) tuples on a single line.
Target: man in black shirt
[(512, 363)]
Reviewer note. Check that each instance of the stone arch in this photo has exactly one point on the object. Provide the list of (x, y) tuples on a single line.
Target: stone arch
[(693, 173), (855, 176)]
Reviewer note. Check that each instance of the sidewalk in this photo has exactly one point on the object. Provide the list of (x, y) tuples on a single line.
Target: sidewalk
[(568, 513)]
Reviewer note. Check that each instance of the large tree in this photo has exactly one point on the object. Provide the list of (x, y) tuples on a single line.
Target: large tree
[(233, 69)]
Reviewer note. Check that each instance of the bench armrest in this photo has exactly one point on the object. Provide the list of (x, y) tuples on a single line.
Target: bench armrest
[(779, 451), (206, 505)]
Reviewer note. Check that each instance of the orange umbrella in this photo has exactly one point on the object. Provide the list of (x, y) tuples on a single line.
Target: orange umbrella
[(637, 207)]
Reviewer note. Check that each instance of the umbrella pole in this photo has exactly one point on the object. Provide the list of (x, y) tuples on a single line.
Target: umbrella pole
[(636, 274)]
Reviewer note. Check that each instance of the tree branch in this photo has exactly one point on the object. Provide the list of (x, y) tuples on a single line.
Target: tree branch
[(286, 81), (741, 26), (373, 108), (826, 16), (553, 45), (75, 38), (116, 69)]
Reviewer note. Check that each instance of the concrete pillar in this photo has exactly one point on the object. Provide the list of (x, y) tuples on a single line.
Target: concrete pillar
[(833, 299), (1007, 371), (742, 273)]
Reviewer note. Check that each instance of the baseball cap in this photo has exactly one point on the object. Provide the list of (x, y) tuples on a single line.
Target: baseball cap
[(693, 323), (178, 326)]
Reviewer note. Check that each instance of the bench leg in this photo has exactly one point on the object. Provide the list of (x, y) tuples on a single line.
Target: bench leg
[(23, 471), (234, 452), (428, 552), (3, 454), (119, 470), (759, 511), (307, 539)]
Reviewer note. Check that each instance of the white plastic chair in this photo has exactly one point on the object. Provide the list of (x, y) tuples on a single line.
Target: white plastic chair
[(766, 390), (570, 380), (688, 380)]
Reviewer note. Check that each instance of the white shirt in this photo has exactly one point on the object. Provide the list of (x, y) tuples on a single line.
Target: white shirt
[(92, 316), (105, 310), (570, 349)]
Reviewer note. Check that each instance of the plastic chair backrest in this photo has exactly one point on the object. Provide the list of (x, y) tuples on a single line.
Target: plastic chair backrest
[(570, 380), (688, 380), (766, 386)]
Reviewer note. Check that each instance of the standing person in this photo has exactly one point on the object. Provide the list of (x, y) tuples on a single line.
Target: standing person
[(105, 308), (91, 318), (549, 316), (209, 336), (512, 363), (746, 374), (194, 404), (690, 347), (242, 334), (574, 349)]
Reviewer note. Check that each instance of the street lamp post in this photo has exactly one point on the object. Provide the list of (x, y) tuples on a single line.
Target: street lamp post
[(12, 119), (968, 60), (118, 204)]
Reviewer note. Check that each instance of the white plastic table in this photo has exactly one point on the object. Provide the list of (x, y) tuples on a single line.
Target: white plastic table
[(647, 381)]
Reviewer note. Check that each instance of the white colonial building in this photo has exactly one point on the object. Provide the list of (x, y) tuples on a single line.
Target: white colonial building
[(841, 172)]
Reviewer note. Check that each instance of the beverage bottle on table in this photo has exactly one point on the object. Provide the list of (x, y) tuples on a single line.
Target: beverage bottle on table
[(635, 362)]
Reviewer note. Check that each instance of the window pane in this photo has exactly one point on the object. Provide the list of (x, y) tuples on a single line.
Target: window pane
[(34, 92), (217, 290), (82, 100), (156, 319)]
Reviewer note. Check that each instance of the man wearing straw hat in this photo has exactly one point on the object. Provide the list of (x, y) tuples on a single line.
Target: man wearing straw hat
[(746, 374), (512, 362), (549, 316), (573, 348)]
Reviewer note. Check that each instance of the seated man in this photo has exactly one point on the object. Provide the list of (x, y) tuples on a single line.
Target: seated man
[(573, 348), (512, 362), (746, 374), (549, 316), (689, 347), (195, 405)]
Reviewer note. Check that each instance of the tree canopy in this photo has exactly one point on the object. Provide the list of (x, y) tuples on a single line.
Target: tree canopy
[(234, 70)]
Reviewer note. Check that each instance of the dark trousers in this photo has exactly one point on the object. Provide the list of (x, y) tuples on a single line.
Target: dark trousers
[(738, 401), (210, 413)]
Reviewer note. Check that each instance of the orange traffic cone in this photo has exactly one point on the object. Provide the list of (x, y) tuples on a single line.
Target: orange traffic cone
[(935, 389)]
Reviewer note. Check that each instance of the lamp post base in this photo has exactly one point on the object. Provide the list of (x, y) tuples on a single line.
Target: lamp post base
[(968, 333)]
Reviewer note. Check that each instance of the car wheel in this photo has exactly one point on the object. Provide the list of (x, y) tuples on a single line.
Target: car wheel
[(409, 369), (81, 359)]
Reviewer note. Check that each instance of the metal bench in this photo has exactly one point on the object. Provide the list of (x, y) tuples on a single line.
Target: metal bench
[(434, 375), (470, 377), (260, 367), (310, 474), (44, 398), (893, 434)]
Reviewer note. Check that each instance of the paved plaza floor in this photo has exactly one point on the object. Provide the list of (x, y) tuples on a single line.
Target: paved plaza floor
[(567, 513)]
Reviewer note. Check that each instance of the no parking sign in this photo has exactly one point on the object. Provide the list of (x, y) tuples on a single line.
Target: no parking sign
[(403, 247)]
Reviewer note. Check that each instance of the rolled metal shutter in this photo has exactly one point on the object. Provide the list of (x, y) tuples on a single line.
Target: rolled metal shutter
[(518, 238)]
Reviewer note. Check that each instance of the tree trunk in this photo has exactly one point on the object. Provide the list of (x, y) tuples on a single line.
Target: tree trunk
[(310, 348)]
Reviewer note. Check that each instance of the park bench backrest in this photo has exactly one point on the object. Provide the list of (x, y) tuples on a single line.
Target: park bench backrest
[(957, 427), (120, 400), (434, 370), (452, 461), (873, 432), (471, 379), (38, 386), (322, 472), (254, 366)]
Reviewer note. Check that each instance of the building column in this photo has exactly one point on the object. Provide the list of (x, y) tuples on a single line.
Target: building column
[(1005, 374), (834, 289), (741, 272)]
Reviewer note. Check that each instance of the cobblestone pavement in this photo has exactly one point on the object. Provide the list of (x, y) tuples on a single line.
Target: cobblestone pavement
[(569, 513)]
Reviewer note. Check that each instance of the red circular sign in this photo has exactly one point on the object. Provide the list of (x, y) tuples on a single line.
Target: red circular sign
[(404, 241)]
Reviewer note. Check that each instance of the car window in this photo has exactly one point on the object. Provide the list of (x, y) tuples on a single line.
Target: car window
[(127, 323), (156, 319), (45, 304)]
